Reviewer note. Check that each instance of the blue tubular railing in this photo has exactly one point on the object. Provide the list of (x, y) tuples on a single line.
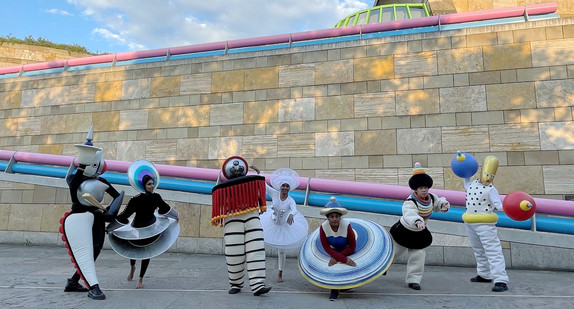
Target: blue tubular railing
[(388, 207)]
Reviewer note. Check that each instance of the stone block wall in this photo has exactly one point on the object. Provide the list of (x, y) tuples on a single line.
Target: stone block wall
[(565, 7), (358, 110)]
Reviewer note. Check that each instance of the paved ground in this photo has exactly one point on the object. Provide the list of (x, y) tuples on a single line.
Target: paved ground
[(34, 277)]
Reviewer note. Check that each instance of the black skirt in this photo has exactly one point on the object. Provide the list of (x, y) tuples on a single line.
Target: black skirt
[(411, 239)]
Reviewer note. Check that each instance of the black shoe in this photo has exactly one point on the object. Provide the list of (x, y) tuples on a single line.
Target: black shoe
[(74, 286), (499, 287), (415, 286), (262, 291), (334, 295), (96, 293), (480, 279), (234, 291)]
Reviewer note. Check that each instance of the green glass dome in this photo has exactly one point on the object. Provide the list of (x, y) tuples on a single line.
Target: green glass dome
[(382, 13)]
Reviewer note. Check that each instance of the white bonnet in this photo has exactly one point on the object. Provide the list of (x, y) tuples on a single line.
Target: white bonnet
[(284, 175)]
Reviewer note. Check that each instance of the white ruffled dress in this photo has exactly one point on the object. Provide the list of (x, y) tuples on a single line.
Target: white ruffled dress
[(277, 232)]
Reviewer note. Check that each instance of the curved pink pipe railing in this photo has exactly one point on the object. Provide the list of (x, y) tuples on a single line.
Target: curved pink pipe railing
[(42, 158), (401, 24), (264, 40), (6, 154), (325, 33), (541, 8), (481, 15), (189, 49), (44, 65), (169, 170), (112, 165), (91, 60), (548, 206), (162, 52), (532, 9), (10, 70)]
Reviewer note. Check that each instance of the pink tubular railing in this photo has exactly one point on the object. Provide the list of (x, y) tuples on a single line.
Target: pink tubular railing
[(394, 192), (190, 49), (163, 52), (541, 8), (10, 70), (401, 24), (481, 15), (264, 40), (44, 65), (91, 60), (325, 33)]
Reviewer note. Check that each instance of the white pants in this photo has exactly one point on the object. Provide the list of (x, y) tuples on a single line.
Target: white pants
[(78, 233), (244, 246), (484, 241), (415, 263)]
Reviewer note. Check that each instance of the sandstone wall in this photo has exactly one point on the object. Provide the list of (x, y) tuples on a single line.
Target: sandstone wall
[(360, 111), (565, 7)]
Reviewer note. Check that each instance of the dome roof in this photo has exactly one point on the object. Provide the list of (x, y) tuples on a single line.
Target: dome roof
[(383, 13)]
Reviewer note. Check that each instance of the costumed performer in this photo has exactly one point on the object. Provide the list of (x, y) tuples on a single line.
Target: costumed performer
[(236, 205), (410, 233), (157, 231), (482, 199), (83, 228), (337, 237), (284, 228), (342, 254)]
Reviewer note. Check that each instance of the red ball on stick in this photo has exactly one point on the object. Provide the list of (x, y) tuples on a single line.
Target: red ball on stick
[(519, 206)]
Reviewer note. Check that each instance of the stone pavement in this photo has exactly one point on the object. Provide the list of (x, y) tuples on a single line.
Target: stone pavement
[(34, 277)]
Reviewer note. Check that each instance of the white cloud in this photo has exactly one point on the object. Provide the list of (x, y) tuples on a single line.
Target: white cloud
[(59, 12), (108, 35), (149, 24)]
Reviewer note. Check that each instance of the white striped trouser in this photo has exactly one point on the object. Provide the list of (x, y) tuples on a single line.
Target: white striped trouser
[(244, 245)]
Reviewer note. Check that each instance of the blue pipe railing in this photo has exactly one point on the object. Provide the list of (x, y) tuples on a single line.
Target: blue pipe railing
[(389, 207)]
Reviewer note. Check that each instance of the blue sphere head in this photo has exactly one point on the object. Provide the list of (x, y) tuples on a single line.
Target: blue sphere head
[(464, 165)]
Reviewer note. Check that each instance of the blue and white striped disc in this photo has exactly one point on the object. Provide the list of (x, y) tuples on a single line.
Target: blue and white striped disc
[(373, 256)]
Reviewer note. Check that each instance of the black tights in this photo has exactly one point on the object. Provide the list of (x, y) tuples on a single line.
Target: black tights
[(145, 264)]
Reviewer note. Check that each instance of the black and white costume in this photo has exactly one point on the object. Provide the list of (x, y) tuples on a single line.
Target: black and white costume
[(482, 199), (480, 222), (83, 228), (236, 205), (407, 235)]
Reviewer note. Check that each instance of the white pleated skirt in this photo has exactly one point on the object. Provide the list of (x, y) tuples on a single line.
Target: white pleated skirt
[(284, 237)]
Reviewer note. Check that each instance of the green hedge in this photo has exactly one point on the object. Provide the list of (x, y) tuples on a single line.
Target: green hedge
[(29, 40)]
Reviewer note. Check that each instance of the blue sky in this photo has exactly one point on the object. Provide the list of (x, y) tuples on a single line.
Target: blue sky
[(112, 26)]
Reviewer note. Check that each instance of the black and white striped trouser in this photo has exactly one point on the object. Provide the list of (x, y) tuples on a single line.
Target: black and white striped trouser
[(244, 246)]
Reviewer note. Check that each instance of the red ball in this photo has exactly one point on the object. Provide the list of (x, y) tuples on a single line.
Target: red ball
[(519, 206)]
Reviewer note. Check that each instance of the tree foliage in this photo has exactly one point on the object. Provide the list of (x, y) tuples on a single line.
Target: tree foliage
[(29, 40)]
